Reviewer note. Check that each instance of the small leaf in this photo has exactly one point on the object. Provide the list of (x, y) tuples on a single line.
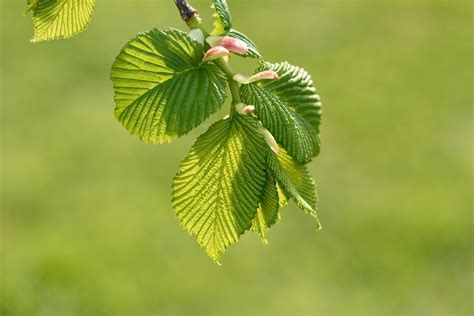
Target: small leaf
[(162, 89), (252, 51), (289, 108), (267, 213), (223, 22), (55, 19), (295, 181), (219, 184)]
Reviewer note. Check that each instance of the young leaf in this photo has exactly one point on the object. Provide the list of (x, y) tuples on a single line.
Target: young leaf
[(219, 184), (252, 48), (295, 181), (289, 108), (267, 213), (162, 88), (223, 22), (55, 19)]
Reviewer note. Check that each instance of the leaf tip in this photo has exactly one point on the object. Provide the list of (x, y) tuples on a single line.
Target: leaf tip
[(215, 256), (319, 227)]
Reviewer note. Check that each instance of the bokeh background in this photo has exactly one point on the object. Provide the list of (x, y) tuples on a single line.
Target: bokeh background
[(87, 226)]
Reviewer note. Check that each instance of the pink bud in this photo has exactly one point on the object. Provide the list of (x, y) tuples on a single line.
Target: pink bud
[(270, 140), (264, 75), (249, 109), (244, 109), (215, 53), (234, 45)]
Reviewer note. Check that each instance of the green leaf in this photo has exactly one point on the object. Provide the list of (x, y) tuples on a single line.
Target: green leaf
[(55, 19), (289, 108), (223, 22), (30, 5), (267, 212), (219, 184), (282, 199), (295, 181), (162, 88), (253, 50), (296, 89)]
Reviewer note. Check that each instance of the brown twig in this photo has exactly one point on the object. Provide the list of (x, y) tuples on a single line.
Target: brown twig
[(185, 9)]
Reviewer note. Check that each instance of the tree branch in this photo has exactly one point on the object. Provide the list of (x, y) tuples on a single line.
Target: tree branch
[(185, 9)]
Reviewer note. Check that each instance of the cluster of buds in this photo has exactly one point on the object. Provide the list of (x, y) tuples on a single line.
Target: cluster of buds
[(223, 46)]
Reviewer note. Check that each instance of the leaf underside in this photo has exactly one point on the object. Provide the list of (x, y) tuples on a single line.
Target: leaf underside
[(268, 210), (162, 90), (289, 108), (219, 184), (56, 19), (231, 182), (295, 182)]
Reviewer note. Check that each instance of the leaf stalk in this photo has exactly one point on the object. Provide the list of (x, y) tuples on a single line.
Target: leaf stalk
[(233, 85)]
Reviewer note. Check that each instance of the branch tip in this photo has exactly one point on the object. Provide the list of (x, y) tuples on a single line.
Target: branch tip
[(185, 9)]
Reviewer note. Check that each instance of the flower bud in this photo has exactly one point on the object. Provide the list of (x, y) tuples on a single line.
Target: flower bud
[(270, 140), (215, 53), (264, 75), (234, 45), (249, 109), (244, 109)]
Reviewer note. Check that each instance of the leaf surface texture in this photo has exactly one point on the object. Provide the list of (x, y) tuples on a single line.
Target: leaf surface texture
[(162, 90), (55, 19), (289, 108), (219, 185)]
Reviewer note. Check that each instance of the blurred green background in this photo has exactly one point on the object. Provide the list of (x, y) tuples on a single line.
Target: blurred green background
[(87, 225)]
